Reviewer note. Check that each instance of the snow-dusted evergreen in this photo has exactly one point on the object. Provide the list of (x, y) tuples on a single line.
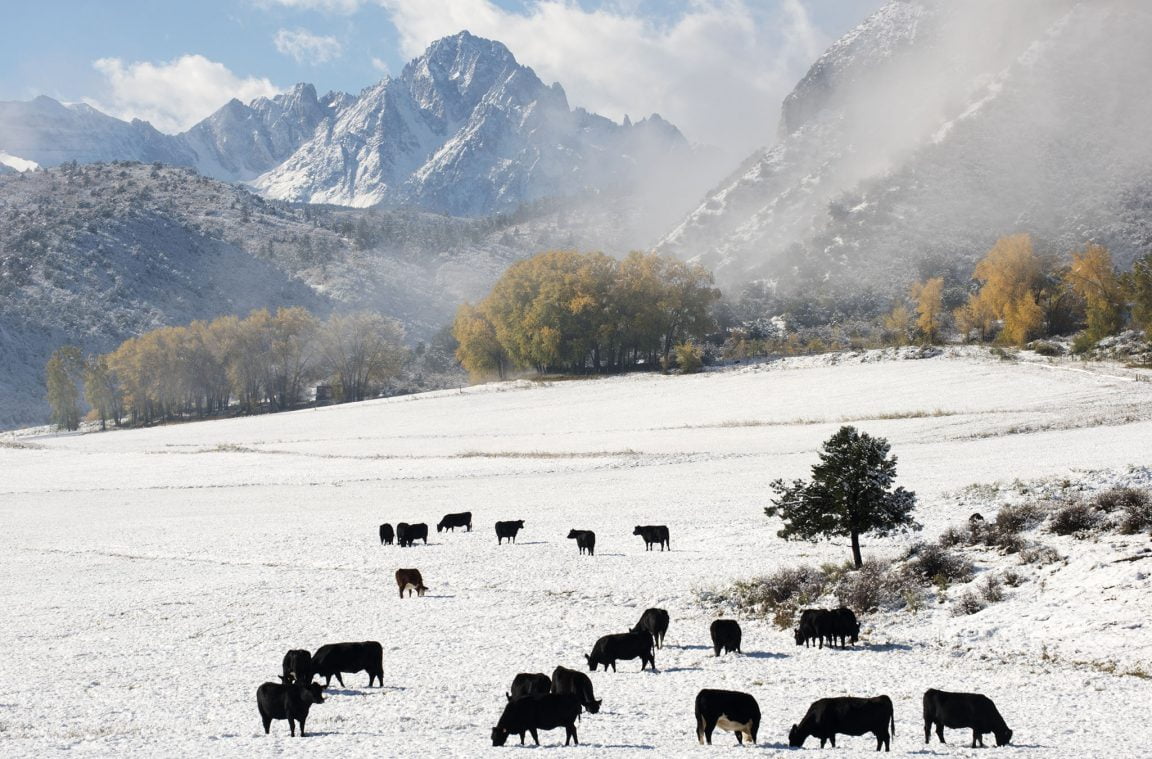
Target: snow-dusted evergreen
[(463, 130), (935, 128)]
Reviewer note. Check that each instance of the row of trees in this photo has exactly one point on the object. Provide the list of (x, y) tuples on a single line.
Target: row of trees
[(564, 311), (263, 362), (1019, 296)]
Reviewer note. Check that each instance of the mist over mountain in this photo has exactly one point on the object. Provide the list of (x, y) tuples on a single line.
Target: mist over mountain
[(93, 254), (463, 130), (934, 128)]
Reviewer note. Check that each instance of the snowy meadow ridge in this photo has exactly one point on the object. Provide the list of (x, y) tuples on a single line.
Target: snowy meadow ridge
[(156, 577)]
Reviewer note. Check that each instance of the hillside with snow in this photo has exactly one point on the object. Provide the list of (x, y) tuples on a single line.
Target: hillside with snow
[(139, 556), (935, 128), (93, 254)]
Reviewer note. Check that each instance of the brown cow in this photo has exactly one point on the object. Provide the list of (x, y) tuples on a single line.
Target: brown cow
[(410, 579)]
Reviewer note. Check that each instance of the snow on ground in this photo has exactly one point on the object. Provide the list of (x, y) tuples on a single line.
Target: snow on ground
[(154, 578)]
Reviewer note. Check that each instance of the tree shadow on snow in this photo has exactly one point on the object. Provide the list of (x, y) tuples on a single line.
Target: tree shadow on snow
[(764, 655), (691, 648), (879, 647), (439, 595), (682, 669), (534, 543), (643, 746)]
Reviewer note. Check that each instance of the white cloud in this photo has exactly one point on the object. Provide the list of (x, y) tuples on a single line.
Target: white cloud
[(173, 95), (719, 70), (306, 47), (380, 65)]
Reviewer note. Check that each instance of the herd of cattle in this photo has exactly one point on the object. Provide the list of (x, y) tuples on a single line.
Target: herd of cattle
[(405, 534), (537, 702)]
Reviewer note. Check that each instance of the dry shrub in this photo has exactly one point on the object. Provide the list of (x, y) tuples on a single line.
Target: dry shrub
[(1040, 555), (1013, 579), (967, 604), (788, 587), (1134, 506), (953, 536), (1015, 518), (1076, 518), (875, 586), (991, 590), (931, 561)]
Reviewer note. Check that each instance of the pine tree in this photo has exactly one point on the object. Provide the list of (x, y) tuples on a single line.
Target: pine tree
[(850, 494)]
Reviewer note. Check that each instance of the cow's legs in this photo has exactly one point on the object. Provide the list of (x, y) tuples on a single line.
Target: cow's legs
[(739, 738), (535, 735), (340, 679), (940, 732), (570, 733), (302, 726), (266, 720), (700, 729), (292, 726)]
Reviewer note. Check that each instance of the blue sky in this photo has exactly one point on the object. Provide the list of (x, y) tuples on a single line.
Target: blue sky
[(717, 68)]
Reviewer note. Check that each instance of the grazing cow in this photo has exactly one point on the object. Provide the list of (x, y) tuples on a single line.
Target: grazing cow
[(808, 629), (960, 710), (288, 700), (727, 710), (407, 534), (629, 645), (508, 530), (725, 635), (410, 580), (452, 521), (525, 684), (386, 534), (546, 711), (585, 540), (298, 666), (655, 623), (653, 534), (847, 715), (337, 658), (578, 684), (975, 516)]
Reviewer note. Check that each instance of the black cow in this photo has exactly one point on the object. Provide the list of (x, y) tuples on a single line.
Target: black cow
[(452, 521), (288, 700), (338, 658), (410, 580), (725, 635), (655, 623), (653, 534), (808, 629), (387, 535), (960, 710), (578, 684), (585, 540), (508, 530), (407, 534), (843, 625), (629, 645), (547, 711), (847, 715), (298, 666), (526, 684), (727, 710)]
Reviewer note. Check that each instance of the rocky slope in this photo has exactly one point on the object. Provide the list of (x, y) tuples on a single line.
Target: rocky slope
[(934, 128), (463, 130)]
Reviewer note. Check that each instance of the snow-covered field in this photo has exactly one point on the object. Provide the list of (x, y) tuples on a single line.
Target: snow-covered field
[(154, 578)]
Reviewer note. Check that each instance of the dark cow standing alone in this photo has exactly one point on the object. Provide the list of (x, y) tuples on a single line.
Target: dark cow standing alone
[(727, 710), (578, 684), (725, 635), (529, 684), (629, 645), (407, 534), (410, 580), (963, 710), (289, 700), (585, 540), (508, 530), (387, 535), (335, 659), (452, 521), (847, 715), (298, 666), (653, 534), (655, 623), (532, 713)]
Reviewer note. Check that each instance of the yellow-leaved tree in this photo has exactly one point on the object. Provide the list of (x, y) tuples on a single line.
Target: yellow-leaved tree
[(1093, 277), (929, 297), (1011, 276)]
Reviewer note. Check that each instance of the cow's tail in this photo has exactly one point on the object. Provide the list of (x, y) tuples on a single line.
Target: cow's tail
[(892, 717)]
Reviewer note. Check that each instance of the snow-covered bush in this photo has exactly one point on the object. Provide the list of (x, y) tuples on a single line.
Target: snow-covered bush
[(930, 561), (1014, 518), (1076, 518), (967, 604), (790, 586), (991, 590), (1039, 554), (875, 586), (1134, 508)]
